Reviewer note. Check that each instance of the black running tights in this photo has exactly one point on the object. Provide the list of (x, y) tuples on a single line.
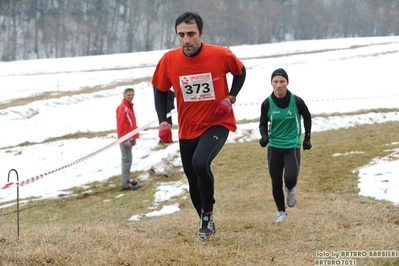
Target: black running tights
[(196, 156), (279, 161)]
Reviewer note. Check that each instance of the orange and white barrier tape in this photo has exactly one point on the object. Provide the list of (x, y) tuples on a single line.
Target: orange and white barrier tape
[(328, 99), (122, 139), (354, 98)]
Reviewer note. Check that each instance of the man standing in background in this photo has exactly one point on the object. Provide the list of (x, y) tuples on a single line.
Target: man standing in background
[(126, 122)]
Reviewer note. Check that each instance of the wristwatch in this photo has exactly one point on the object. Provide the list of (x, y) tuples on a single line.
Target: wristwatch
[(232, 98)]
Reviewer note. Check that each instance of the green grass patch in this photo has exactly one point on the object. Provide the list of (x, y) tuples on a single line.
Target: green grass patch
[(91, 227)]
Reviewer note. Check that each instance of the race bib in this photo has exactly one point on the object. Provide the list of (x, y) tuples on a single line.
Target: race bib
[(197, 87)]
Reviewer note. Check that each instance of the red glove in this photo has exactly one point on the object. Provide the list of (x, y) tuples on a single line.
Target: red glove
[(165, 133), (224, 107)]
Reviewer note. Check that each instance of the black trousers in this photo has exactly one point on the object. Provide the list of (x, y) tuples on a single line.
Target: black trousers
[(196, 156), (281, 161)]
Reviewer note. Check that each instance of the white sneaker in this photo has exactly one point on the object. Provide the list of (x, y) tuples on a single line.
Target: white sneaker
[(291, 197), (281, 217)]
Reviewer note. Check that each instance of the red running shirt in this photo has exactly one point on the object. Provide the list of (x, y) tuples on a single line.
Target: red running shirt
[(200, 84)]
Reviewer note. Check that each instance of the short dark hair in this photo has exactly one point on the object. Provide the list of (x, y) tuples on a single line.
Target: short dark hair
[(127, 90), (188, 17)]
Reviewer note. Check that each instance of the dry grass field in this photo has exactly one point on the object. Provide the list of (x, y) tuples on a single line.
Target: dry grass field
[(329, 216)]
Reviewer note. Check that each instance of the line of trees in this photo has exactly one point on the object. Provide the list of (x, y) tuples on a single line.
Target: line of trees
[(33, 29)]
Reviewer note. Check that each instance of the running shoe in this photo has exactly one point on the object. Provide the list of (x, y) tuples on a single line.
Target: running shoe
[(291, 197), (207, 227), (281, 217)]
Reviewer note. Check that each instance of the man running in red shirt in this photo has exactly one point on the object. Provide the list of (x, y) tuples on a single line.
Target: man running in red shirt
[(197, 72)]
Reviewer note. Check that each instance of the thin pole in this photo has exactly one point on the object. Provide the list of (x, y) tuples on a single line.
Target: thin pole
[(13, 170)]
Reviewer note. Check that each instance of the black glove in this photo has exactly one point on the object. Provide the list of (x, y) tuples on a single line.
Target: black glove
[(263, 142), (306, 142)]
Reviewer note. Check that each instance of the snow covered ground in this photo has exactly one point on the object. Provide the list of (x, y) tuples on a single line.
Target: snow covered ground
[(332, 76)]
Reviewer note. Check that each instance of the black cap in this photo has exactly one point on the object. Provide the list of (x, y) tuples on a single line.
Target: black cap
[(280, 72)]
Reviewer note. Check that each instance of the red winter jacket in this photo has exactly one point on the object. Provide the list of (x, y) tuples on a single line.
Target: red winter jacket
[(125, 119)]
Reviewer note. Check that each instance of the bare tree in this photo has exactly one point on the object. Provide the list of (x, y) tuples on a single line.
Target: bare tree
[(60, 28)]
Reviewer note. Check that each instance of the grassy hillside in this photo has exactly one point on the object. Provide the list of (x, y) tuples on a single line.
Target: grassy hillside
[(330, 216)]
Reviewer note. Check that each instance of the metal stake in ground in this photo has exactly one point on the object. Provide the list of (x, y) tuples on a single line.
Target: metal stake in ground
[(8, 180)]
